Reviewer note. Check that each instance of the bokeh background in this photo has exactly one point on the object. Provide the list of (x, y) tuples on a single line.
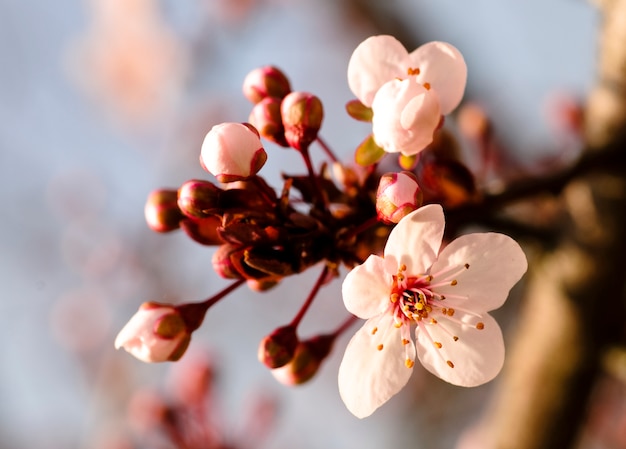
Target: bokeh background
[(102, 101)]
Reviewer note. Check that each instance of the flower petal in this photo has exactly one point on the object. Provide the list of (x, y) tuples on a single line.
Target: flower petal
[(443, 67), (369, 377), (496, 263), (375, 61), (415, 240), (366, 288), (421, 115), (474, 358)]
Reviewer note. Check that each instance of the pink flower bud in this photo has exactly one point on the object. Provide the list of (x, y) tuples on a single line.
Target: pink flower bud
[(198, 198), (232, 152), (265, 82), (162, 212), (266, 117), (278, 348), (306, 361), (302, 114), (156, 333), (398, 195)]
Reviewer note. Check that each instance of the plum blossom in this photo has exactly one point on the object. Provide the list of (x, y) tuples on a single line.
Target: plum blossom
[(444, 294), (398, 195), (156, 333), (408, 92)]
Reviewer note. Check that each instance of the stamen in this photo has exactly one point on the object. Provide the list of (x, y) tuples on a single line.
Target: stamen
[(409, 363), (449, 312), (427, 86), (437, 344), (455, 338), (374, 331), (480, 325), (405, 341), (379, 347), (450, 364), (454, 282), (413, 71)]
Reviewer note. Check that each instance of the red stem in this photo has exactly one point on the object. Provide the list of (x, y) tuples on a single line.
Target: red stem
[(309, 300)]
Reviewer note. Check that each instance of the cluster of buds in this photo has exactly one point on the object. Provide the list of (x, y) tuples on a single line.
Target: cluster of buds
[(263, 235)]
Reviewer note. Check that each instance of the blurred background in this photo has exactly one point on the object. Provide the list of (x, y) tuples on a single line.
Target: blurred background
[(103, 101)]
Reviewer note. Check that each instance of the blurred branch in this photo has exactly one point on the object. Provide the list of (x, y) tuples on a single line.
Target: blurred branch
[(574, 309)]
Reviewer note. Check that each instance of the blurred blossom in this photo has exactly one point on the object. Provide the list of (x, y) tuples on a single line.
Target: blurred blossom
[(129, 60), (76, 192)]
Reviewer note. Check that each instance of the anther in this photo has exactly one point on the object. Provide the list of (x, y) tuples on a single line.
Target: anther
[(402, 267), (427, 86), (397, 325), (379, 347), (409, 363), (433, 321), (480, 325), (437, 344), (454, 282), (450, 312), (455, 338), (374, 331), (466, 266), (450, 364), (405, 341), (413, 71), (394, 297)]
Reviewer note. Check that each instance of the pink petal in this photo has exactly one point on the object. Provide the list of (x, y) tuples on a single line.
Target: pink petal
[(369, 377), (375, 61), (366, 288), (443, 67), (475, 358), (496, 263), (415, 241)]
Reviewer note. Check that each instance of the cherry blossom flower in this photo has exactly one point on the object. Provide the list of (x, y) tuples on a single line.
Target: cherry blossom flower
[(444, 294), (232, 152), (398, 195), (408, 92), (156, 333)]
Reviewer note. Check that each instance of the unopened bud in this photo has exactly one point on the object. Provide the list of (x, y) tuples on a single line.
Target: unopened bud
[(398, 195), (278, 348), (204, 230), (265, 116), (223, 263), (306, 361), (265, 82), (302, 114), (232, 152), (162, 212), (198, 198)]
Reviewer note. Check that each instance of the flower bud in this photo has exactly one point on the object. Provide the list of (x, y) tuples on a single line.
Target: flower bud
[(203, 231), (156, 333), (278, 348), (223, 263), (162, 212), (398, 195), (232, 152), (302, 114), (306, 361), (265, 82), (265, 116), (198, 198)]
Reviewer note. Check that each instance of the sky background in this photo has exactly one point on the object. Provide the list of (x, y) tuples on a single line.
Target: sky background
[(81, 146)]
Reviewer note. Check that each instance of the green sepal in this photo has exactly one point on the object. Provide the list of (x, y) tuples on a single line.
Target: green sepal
[(359, 111), (368, 152)]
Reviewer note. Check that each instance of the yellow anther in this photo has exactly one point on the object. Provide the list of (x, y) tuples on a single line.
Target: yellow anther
[(450, 364), (379, 347), (402, 267), (374, 331), (397, 325), (409, 363), (433, 321), (437, 344), (429, 309), (429, 278), (480, 325), (450, 312), (427, 86), (455, 338), (413, 71), (444, 310), (405, 341), (454, 282), (400, 277), (419, 306), (394, 297)]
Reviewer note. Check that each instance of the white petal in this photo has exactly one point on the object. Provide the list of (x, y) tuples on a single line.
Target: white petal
[(366, 288), (475, 358), (415, 241), (496, 263), (421, 117), (375, 61), (443, 67), (369, 377)]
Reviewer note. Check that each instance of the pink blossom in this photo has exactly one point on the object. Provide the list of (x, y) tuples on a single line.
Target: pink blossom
[(444, 294), (156, 333), (408, 92), (398, 195), (232, 152)]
